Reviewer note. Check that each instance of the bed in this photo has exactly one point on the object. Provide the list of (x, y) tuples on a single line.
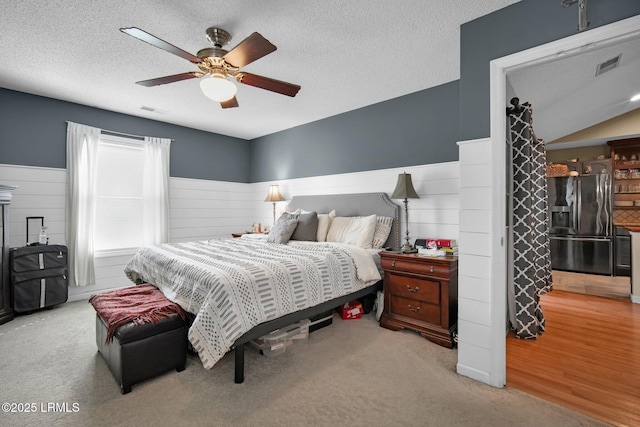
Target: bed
[(319, 277)]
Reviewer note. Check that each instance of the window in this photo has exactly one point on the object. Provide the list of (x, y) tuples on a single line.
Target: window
[(119, 194)]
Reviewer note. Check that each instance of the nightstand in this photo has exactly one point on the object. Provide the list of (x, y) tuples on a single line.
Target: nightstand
[(421, 294), (238, 234)]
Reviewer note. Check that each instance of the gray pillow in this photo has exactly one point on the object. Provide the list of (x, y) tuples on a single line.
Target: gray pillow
[(287, 215), (307, 229), (282, 230)]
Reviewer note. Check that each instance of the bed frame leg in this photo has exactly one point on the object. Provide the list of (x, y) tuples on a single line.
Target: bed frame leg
[(239, 379)]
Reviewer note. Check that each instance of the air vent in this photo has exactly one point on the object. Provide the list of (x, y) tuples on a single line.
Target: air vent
[(608, 65), (154, 110)]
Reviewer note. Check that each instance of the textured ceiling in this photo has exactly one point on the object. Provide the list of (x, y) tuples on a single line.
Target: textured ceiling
[(567, 96), (344, 54)]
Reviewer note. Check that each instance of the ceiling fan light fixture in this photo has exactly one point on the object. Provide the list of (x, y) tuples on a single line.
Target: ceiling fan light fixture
[(217, 65), (218, 88)]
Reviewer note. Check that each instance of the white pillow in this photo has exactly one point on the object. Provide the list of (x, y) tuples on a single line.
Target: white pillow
[(324, 223), (357, 231)]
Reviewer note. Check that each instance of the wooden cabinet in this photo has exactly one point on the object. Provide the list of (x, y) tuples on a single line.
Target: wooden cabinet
[(625, 155), (421, 294)]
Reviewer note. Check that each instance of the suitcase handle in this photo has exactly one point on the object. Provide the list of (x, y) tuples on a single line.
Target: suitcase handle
[(41, 218)]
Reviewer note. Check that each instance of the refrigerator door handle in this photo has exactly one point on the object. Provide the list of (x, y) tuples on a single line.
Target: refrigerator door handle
[(578, 205), (599, 199), (607, 205), (573, 227)]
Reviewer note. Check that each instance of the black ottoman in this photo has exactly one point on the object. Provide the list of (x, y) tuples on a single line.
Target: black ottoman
[(140, 352)]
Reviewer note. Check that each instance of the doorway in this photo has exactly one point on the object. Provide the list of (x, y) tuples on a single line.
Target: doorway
[(615, 33), (499, 68), (586, 105)]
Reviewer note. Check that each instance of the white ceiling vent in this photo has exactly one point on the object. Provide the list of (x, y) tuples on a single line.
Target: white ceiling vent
[(608, 65)]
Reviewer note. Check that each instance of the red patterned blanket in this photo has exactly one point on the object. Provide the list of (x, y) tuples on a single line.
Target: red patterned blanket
[(137, 304)]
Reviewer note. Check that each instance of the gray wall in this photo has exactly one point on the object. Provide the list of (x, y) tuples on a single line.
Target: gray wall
[(416, 129), (515, 28), (33, 132)]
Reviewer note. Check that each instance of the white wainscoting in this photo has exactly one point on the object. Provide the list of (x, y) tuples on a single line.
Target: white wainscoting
[(41, 192), (200, 209), (203, 209), (435, 214), (474, 275)]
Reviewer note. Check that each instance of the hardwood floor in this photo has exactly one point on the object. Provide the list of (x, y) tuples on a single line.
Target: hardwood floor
[(591, 284), (588, 358)]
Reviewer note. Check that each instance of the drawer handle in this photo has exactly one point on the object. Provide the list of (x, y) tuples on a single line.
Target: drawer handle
[(414, 290), (393, 263), (415, 310), (432, 269)]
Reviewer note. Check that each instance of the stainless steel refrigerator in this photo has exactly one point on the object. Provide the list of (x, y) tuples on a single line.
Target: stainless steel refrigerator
[(580, 223)]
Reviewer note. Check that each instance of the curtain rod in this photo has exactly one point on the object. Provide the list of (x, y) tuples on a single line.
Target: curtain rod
[(517, 108), (113, 132)]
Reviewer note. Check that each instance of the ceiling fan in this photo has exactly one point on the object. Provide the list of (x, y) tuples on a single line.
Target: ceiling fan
[(216, 64)]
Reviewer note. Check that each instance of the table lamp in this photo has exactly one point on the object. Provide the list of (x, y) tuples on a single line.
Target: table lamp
[(404, 190), (274, 196)]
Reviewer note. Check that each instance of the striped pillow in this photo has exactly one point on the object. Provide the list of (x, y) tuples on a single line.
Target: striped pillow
[(353, 230)]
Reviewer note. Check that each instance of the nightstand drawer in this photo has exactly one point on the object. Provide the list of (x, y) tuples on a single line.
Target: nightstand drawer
[(410, 266), (418, 310), (411, 288)]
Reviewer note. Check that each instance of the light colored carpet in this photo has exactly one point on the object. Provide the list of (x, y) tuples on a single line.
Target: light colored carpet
[(351, 373)]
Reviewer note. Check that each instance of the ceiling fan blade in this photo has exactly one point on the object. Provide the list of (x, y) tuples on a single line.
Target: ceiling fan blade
[(248, 50), (230, 103), (170, 79), (153, 40), (273, 85)]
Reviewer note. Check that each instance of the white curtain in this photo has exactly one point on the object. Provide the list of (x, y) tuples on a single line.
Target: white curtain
[(82, 156), (156, 191)]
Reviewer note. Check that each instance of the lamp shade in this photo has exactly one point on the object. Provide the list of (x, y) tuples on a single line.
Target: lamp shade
[(274, 194), (404, 188), (218, 88)]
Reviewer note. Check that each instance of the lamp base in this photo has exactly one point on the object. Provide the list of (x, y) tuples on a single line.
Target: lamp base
[(274, 213), (407, 249)]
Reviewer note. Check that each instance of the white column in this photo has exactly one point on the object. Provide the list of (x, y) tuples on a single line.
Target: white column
[(481, 327)]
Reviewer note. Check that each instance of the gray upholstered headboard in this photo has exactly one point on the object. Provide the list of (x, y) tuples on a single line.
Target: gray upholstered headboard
[(360, 204)]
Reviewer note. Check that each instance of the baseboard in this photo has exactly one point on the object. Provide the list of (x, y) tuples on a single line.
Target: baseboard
[(474, 374), (635, 299), (80, 297)]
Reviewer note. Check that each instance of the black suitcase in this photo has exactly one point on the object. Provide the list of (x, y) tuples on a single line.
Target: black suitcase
[(38, 277)]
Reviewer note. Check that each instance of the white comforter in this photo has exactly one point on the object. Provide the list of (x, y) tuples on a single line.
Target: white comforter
[(233, 285)]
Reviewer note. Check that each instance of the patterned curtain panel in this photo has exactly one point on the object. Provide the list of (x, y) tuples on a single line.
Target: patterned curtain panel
[(531, 249)]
